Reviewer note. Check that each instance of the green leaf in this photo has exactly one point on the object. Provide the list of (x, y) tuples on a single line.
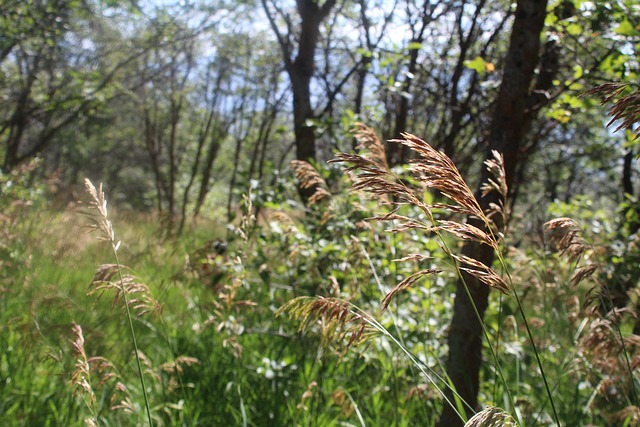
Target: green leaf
[(577, 71), (478, 64), (626, 29), (414, 46), (574, 29)]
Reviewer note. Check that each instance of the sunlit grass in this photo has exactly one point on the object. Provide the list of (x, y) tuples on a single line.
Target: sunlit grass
[(240, 363)]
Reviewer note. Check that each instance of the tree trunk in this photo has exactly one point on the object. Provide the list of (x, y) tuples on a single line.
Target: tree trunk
[(300, 71), (511, 121), (216, 136)]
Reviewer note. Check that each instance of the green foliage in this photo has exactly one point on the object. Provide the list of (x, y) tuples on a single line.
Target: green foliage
[(219, 335), (99, 83)]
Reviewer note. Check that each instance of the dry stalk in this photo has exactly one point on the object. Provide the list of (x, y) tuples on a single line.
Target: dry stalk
[(124, 284), (104, 371), (435, 171), (491, 417), (624, 107), (338, 318), (308, 177)]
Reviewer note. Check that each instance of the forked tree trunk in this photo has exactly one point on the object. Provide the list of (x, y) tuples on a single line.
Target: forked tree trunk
[(511, 121)]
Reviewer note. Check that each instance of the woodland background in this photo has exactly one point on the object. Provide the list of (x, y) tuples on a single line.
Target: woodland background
[(190, 115)]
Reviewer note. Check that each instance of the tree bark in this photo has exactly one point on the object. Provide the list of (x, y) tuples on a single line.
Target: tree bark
[(512, 119), (300, 70)]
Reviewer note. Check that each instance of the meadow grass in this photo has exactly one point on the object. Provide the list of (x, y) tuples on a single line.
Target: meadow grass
[(218, 353)]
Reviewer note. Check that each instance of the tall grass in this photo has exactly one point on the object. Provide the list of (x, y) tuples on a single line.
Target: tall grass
[(219, 355), (128, 292), (434, 171)]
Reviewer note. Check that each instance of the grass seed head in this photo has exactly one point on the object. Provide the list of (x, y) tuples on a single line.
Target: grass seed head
[(98, 213), (491, 417), (564, 234), (369, 142), (81, 375), (308, 177)]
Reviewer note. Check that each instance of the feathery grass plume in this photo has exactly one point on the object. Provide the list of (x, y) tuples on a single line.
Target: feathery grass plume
[(339, 319), (467, 232), (81, 375), (139, 298), (497, 184), (491, 417), (436, 171), (406, 283), (564, 234), (308, 394), (343, 399), (100, 222), (614, 356), (481, 272), (421, 392), (125, 404), (625, 107), (371, 144), (604, 347), (374, 178), (247, 219), (584, 272), (308, 177), (611, 362), (175, 368), (81, 378)]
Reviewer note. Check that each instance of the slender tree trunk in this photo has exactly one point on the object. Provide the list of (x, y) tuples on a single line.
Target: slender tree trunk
[(627, 178), (510, 123), (204, 132), (624, 279), (628, 191), (205, 185), (153, 149), (174, 114)]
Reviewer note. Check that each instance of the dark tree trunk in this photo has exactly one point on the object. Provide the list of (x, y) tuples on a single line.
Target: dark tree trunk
[(627, 182), (511, 121), (627, 191), (300, 70)]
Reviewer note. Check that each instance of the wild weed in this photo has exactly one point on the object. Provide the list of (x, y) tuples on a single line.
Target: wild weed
[(608, 349), (135, 297), (86, 386), (435, 172)]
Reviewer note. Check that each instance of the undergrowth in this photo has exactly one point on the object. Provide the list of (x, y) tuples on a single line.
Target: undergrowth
[(374, 306)]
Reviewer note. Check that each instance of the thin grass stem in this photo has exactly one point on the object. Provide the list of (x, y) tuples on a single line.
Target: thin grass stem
[(133, 333)]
